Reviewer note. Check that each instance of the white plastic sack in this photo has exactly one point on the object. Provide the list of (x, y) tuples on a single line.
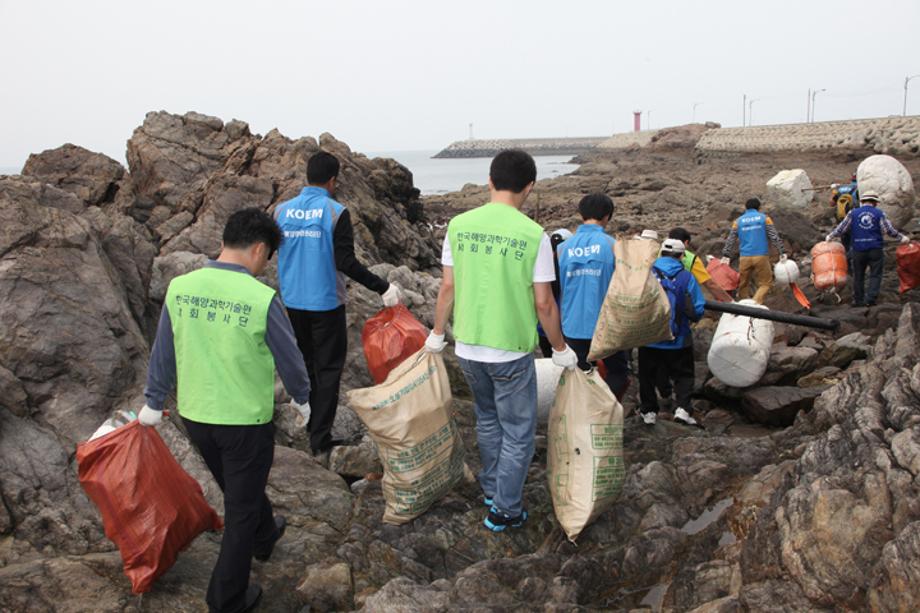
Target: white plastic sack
[(790, 189), (888, 178), (547, 382), (785, 273), (740, 348)]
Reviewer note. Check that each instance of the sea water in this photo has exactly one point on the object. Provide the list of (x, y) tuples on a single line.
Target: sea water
[(442, 175)]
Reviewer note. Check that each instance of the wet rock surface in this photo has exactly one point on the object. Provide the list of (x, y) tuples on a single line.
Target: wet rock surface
[(799, 494)]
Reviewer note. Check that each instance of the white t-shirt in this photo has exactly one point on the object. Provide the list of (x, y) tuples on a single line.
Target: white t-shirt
[(544, 271)]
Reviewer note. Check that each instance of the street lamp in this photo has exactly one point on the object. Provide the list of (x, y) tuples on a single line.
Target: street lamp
[(695, 104), (906, 81), (751, 110), (814, 93)]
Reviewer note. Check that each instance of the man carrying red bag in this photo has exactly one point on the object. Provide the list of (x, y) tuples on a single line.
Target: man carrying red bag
[(220, 337)]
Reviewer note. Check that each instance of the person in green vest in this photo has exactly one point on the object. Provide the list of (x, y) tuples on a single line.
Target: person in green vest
[(221, 336), (497, 282)]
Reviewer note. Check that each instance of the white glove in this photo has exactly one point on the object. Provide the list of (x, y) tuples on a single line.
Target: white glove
[(391, 296), (149, 417), (783, 257), (304, 410), (725, 261), (435, 343), (565, 358), (905, 239), (828, 238)]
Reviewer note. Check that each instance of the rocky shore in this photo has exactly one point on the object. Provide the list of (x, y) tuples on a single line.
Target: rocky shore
[(800, 494)]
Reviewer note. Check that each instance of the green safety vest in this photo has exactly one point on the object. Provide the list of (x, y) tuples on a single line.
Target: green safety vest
[(225, 371), (687, 260), (494, 248)]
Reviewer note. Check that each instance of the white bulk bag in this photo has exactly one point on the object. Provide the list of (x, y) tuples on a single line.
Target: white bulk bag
[(740, 348)]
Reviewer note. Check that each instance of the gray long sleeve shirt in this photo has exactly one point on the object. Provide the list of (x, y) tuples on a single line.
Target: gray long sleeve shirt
[(279, 338)]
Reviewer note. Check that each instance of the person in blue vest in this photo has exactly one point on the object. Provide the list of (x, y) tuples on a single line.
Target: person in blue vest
[(221, 336), (844, 198), (586, 264), (754, 232), (865, 225), (317, 254), (555, 239), (674, 357)]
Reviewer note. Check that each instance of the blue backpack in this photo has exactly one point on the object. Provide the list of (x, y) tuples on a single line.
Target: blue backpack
[(676, 289)]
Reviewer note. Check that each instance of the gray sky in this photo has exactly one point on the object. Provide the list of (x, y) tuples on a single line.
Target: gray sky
[(395, 75)]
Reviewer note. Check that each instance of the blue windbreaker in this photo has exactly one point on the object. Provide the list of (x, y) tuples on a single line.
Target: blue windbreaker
[(670, 267)]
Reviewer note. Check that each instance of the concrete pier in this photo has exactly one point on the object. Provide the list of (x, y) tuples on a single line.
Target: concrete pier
[(533, 146)]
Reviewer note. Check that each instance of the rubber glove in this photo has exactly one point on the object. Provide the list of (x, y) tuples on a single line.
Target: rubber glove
[(391, 296), (149, 417), (725, 261), (905, 239), (435, 343), (565, 358), (304, 410)]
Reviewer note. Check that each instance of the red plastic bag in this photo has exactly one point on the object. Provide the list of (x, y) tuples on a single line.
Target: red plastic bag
[(389, 337), (724, 275), (151, 508), (908, 266)]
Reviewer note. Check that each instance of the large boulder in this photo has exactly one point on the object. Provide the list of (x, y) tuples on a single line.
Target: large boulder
[(778, 405), (790, 189), (888, 178), (67, 332), (92, 177)]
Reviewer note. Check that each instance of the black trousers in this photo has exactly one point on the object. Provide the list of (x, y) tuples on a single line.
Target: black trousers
[(545, 346), (874, 259), (673, 365), (617, 365), (240, 458), (323, 340)]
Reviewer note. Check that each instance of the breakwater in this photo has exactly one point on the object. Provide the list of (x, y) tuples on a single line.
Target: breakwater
[(894, 135), (481, 148)]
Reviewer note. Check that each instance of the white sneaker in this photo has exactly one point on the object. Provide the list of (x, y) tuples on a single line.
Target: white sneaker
[(683, 417), (649, 418)]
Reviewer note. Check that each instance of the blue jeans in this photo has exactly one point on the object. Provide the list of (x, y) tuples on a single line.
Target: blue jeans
[(506, 421)]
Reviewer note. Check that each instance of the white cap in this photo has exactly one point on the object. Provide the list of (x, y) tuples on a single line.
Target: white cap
[(673, 246), (563, 233), (650, 235)]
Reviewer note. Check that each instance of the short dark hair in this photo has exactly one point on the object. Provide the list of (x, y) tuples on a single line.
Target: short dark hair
[(512, 170), (250, 226), (680, 234), (321, 167), (595, 206), (752, 203)]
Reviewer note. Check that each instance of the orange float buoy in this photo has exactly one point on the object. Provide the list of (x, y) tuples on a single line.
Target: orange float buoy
[(828, 266)]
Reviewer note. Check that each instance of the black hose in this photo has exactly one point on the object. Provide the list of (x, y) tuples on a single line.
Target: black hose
[(780, 316)]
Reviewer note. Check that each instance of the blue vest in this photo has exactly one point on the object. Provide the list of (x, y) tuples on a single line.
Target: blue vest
[(752, 233), (306, 260), (586, 265), (866, 228)]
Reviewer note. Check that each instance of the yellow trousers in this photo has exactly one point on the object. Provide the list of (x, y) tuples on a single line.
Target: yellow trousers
[(758, 269)]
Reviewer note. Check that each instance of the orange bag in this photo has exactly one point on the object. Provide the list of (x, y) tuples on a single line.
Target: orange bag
[(908, 266), (828, 265), (724, 275), (389, 337), (151, 508)]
